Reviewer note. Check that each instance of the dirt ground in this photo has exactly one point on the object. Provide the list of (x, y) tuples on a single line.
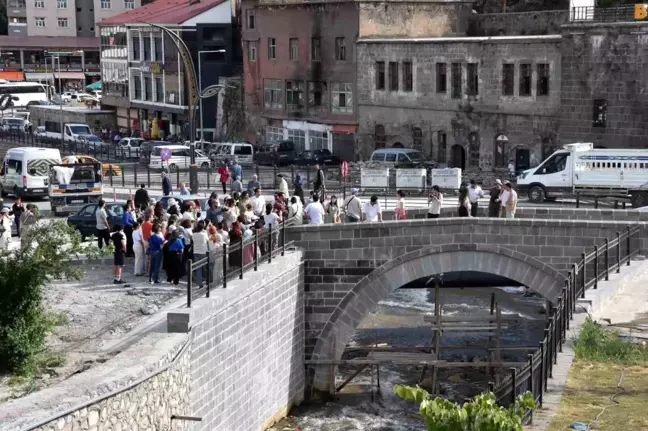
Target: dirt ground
[(94, 314)]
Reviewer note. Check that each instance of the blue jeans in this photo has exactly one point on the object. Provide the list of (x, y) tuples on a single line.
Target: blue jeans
[(198, 273), (156, 263)]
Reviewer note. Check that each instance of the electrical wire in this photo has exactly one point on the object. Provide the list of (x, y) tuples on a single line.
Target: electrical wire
[(618, 391)]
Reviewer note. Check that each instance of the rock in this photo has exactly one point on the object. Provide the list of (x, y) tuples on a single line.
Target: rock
[(148, 309), (93, 418), (132, 292)]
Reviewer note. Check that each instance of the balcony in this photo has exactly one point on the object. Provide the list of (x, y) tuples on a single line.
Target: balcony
[(584, 14)]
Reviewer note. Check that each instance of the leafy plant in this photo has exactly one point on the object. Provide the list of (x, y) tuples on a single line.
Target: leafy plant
[(24, 274), (595, 343), (482, 413)]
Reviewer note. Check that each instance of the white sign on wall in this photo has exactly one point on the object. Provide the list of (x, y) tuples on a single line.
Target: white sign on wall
[(449, 178), (412, 179), (374, 178)]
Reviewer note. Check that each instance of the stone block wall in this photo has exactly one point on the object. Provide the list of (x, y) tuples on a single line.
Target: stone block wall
[(247, 348), (605, 62), (139, 389), (518, 23)]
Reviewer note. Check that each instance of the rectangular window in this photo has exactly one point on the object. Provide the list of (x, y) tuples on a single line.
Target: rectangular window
[(525, 79), (61, 4), (39, 4), (105, 4), (455, 78), (473, 79), (39, 22), (148, 88), (252, 52), (340, 49), (543, 79), (146, 39), (316, 96), (249, 19), (380, 75), (393, 76), (159, 90), (293, 49), (273, 93), (443, 147), (157, 48), (342, 98), (294, 94), (600, 113), (316, 45), (63, 22), (129, 4), (135, 47), (408, 79), (272, 48), (508, 79), (137, 80), (441, 78)]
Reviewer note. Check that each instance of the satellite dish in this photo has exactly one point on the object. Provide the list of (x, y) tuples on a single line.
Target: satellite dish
[(211, 91)]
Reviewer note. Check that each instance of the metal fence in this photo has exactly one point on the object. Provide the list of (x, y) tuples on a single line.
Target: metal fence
[(600, 14), (605, 258), (234, 260)]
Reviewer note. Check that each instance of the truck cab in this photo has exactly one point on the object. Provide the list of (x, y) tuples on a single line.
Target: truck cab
[(73, 185), (72, 132)]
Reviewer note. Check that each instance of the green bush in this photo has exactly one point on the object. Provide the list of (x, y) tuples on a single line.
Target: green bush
[(595, 343), (24, 274), (482, 413)]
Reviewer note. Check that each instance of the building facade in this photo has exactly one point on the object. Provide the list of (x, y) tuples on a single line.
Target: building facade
[(300, 79), (53, 18), (36, 58), (143, 73)]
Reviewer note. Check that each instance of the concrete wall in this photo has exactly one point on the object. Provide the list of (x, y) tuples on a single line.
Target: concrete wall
[(527, 121), (340, 256), (140, 388), (247, 348), (51, 14), (413, 19), (41, 114), (517, 23), (607, 62)]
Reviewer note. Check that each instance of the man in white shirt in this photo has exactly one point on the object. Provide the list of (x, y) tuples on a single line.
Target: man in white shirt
[(352, 207), (474, 193), (315, 211), (372, 210), (283, 186), (258, 203)]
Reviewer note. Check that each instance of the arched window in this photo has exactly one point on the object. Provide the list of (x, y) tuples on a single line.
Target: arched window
[(501, 142), (379, 136), (417, 139), (473, 149)]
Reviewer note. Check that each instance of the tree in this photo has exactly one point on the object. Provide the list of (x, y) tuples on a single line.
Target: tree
[(482, 413), (24, 274)]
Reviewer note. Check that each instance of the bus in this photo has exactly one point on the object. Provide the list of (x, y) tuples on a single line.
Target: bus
[(25, 93)]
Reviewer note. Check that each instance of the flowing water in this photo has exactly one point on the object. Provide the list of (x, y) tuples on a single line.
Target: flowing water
[(399, 322)]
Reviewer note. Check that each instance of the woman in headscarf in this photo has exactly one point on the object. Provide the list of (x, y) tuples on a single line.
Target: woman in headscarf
[(236, 241), (173, 207), (5, 229)]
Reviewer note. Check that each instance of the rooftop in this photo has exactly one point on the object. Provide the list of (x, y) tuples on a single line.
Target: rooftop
[(163, 12), (47, 42)]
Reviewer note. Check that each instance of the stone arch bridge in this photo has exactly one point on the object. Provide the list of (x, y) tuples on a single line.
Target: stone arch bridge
[(351, 267)]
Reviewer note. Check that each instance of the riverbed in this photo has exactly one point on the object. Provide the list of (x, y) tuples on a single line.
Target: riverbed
[(399, 322)]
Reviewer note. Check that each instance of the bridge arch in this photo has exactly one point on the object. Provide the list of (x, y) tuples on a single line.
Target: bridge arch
[(363, 298)]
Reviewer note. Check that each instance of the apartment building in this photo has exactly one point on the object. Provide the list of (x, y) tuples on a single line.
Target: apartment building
[(53, 18)]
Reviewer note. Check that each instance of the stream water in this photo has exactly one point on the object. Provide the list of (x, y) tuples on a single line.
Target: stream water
[(399, 322)]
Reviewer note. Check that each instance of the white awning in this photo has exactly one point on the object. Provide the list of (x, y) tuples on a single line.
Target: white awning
[(70, 75)]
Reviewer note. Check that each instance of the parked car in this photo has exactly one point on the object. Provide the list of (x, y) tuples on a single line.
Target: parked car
[(281, 153), (401, 157), (85, 220), (145, 150), (129, 148), (13, 124), (92, 144), (180, 158), (243, 152), (322, 157)]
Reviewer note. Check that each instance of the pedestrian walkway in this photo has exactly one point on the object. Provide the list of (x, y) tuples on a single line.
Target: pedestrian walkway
[(625, 294)]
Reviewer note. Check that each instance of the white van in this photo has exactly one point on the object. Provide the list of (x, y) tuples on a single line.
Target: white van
[(242, 152), (25, 171), (180, 158)]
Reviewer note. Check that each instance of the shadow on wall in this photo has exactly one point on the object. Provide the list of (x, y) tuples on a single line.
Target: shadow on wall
[(517, 23)]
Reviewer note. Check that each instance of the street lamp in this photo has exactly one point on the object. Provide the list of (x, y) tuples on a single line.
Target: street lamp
[(200, 89), (57, 56)]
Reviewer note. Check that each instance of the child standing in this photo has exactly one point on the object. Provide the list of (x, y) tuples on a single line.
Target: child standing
[(119, 242)]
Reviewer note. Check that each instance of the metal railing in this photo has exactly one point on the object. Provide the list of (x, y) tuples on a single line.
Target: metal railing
[(605, 258), (602, 14), (234, 260)]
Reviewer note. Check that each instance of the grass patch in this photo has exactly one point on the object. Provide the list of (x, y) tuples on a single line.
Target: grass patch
[(589, 388), (592, 381)]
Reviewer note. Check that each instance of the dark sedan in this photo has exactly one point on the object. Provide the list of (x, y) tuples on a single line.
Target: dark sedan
[(322, 157), (85, 221)]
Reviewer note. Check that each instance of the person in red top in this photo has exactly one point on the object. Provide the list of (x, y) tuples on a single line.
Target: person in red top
[(147, 227), (224, 173)]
